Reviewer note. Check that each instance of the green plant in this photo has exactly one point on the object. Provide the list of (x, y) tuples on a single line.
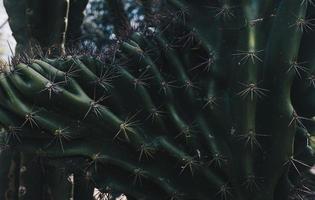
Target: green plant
[(207, 104), (43, 24)]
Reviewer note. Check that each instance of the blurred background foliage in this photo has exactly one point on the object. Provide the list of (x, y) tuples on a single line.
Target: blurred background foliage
[(98, 26)]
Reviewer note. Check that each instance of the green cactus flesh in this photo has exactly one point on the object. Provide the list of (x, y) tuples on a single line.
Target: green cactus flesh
[(62, 18), (203, 107)]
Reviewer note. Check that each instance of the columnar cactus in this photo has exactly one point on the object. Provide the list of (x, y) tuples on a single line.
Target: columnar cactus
[(44, 23), (213, 103)]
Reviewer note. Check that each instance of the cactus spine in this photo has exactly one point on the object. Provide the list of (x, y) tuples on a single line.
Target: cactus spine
[(194, 108)]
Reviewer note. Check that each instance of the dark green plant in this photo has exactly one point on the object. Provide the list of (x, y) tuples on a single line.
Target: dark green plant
[(45, 24), (214, 102)]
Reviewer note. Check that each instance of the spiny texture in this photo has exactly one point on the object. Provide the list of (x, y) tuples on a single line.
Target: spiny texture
[(216, 103)]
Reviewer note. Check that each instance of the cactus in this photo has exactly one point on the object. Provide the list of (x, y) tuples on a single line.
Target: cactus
[(213, 103), (43, 24)]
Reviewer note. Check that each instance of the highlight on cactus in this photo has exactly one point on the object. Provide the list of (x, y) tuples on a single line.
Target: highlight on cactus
[(204, 99)]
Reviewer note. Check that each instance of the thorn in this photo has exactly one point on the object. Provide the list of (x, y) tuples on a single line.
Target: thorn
[(306, 2), (176, 196), (254, 22), (143, 53), (296, 119), (52, 87), (141, 80), (189, 39), (13, 132), (147, 150), (3, 147), (302, 24), (224, 192), (297, 67), (165, 86), (155, 114), (95, 159), (311, 79), (71, 73), (251, 183), (218, 160), (187, 131), (138, 175), (291, 162), (210, 101), (59, 135), (182, 13), (95, 107), (30, 119), (252, 55), (106, 78), (251, 139), (207, 63), (189, 85), (252, 90), (225, 12), (126, 127), (190, 163)]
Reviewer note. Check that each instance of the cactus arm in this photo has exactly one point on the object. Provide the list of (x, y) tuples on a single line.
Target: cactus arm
[(83, 188), (119, 17), (18, 20), (75, 19), (44, 23), (148, 12), (8, 189), (29, 187), (280, 84), (57, 184)]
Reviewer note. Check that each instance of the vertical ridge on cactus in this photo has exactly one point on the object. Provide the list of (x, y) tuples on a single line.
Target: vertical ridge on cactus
[(215, 103)]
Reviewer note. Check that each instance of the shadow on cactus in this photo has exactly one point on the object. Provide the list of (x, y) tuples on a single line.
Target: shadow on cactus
[(215, 102)]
